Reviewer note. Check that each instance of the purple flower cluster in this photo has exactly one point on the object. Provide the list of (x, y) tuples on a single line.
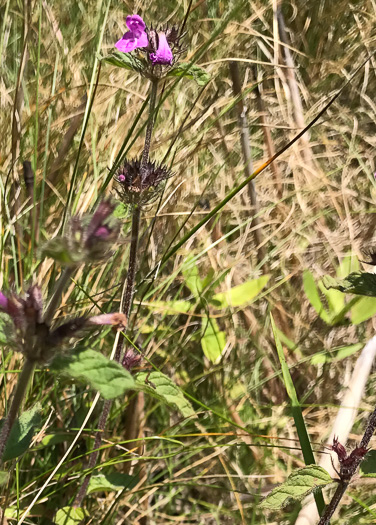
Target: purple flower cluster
[(32, 336), (157, 43)]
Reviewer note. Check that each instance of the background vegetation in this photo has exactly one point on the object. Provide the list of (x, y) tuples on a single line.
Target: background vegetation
[(315, 212)]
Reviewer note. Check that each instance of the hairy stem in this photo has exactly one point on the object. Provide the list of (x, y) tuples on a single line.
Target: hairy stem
[(127, 294), (22, 384), (57, 294), (344, 483)]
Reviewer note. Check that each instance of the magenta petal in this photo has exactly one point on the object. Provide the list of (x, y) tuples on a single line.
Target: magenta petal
[(142, 40), (127, 43), (119, 320), (164, 54), (3, 302), (135, 23)]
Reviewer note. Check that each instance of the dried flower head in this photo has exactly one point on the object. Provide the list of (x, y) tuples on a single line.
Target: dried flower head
[(131, 359), (369, 252), (88, 238), (33, 337), (157, 49), (348, 462), (140, 187)]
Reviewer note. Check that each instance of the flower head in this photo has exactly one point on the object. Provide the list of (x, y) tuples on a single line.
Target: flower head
[(348, 462), (88, 237), (135, 38), (163, 55), (34, 337), (136, 186), (157, 49)]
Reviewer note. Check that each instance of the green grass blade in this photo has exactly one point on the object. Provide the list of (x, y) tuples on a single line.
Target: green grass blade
[(301, 428)]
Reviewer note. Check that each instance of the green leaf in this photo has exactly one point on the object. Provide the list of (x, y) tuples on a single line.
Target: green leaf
[(22, 432), (70, 516), (312, 293), (6, 328), (336, 354), (190, 71), (363, 310), (171, 307), (298, 485), (4, 476), (96, 370), (334, 298), (58, 249), (368, 465), (113, 481), (301, 428), (358, 283), (242, 294), (163, 388), (213, 341), (119, 59), (192, 280)]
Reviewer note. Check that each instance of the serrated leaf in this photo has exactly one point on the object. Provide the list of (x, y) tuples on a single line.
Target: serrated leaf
[(363, 310), (4, 476), (92, 368), (22, 432), (112, 481), (358, 283), (191, 71), (165, 390), (298, 485), (242, 294), (119, 59), (336, 355), (312, 293), (213, 341), (70, 516)]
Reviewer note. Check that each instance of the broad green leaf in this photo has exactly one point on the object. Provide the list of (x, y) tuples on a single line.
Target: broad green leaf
[(191, 71), (22, 432), (119, 59), (4, 476), (312, 293), (163, 388), (208, 279), (70, 516), (336, 354), (298, 485), (121, 211), (242, 294), (358, 283), (213, 341), (192, 280), (171, 307), (363, 310), (54, 439), (335, 299), (113, 481), (368, 465), (348, 264), (96, 370)]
